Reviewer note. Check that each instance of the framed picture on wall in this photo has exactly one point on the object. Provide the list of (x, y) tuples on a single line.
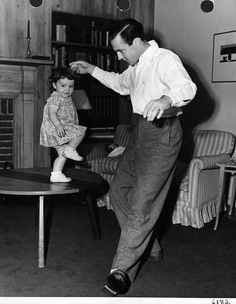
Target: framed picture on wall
[(224, 57)]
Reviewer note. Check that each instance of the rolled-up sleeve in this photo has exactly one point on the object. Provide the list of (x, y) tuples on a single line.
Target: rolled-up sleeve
[(117, 82)]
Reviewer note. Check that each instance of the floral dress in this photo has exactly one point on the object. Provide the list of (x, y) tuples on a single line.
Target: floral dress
[(67, 116)]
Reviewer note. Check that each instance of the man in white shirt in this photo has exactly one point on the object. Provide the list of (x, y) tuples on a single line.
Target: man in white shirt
[(159, 86)]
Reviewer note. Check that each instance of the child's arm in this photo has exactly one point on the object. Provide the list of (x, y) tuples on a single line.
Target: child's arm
[(52, 112)]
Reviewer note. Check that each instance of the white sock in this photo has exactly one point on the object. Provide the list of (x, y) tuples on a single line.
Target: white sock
[(55, 172)]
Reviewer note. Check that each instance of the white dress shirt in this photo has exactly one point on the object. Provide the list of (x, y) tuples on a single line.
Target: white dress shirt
[(158, 72)]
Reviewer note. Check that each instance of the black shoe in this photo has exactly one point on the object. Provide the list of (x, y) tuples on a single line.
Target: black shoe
[(117, 282)]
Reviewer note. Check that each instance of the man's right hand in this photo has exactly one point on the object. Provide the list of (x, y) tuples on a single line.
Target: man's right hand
[(82, 67)]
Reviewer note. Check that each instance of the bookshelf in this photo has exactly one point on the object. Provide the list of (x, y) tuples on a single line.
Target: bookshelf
[(79, 37)]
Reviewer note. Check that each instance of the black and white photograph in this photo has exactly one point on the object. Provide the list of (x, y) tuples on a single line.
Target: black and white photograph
[(224, 57), (117, 151)]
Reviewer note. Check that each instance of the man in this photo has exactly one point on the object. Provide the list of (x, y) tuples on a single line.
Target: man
[(158, 86)]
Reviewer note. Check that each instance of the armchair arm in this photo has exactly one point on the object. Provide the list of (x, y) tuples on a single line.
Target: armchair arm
[(196, 168), (208, 162)]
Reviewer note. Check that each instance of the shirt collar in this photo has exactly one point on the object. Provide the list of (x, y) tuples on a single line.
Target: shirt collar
[(149, 53)]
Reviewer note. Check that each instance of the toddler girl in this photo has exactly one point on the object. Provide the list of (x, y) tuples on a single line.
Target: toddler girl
[(60, 127)]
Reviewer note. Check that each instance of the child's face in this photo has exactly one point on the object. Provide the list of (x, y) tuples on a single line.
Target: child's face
[(64, 87)]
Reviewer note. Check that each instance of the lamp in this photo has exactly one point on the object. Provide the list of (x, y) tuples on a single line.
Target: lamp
[(207, 6), (81, 101)]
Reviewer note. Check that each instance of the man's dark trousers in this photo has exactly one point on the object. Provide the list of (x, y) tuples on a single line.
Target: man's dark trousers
[(140, 186)]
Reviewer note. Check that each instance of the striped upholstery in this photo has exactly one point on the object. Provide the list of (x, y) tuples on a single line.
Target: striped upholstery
[(92, 151), (122, 135), (196, 175), (206, 142), (105, 165)]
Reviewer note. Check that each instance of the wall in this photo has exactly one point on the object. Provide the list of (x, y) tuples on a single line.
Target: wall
[(183, 27)]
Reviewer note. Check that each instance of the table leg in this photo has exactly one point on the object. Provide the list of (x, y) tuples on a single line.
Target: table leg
[(220, 194), (93, 212), (232, 193), (41, 233)]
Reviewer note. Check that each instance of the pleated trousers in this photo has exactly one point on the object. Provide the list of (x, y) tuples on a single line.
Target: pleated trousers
[(140, 187)]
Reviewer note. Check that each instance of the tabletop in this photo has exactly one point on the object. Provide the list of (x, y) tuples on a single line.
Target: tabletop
[(35, 181)]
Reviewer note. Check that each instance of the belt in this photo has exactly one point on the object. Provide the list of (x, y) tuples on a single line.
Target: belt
[(163, 121)]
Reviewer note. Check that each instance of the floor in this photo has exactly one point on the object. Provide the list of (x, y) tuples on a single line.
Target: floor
[(198, 263)]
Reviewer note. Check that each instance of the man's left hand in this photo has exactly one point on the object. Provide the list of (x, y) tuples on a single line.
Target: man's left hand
[(155, 108)]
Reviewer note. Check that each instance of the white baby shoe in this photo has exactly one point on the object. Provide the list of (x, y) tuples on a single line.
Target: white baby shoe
[(59, 177), (71, 153)]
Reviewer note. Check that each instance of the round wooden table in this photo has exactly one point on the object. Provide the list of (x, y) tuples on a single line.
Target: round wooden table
[(35, 182)]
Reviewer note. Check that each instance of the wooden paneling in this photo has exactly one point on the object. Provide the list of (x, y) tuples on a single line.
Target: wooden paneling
[(19, 83), (14, 15), (140, 10), (13, 24)]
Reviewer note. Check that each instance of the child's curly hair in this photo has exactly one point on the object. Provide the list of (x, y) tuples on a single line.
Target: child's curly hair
[(60, 73)]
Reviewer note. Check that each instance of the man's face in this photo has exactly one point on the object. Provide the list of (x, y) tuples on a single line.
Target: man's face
[(126, 52)]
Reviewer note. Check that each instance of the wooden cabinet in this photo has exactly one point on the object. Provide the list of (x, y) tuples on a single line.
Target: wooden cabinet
[(19, 99), (77, 37)]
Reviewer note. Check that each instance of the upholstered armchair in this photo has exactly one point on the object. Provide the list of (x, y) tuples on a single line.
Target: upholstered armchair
[(196, 176)]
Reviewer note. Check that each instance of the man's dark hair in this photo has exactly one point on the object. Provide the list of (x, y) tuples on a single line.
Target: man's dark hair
[(60, 73), (128, 29)]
